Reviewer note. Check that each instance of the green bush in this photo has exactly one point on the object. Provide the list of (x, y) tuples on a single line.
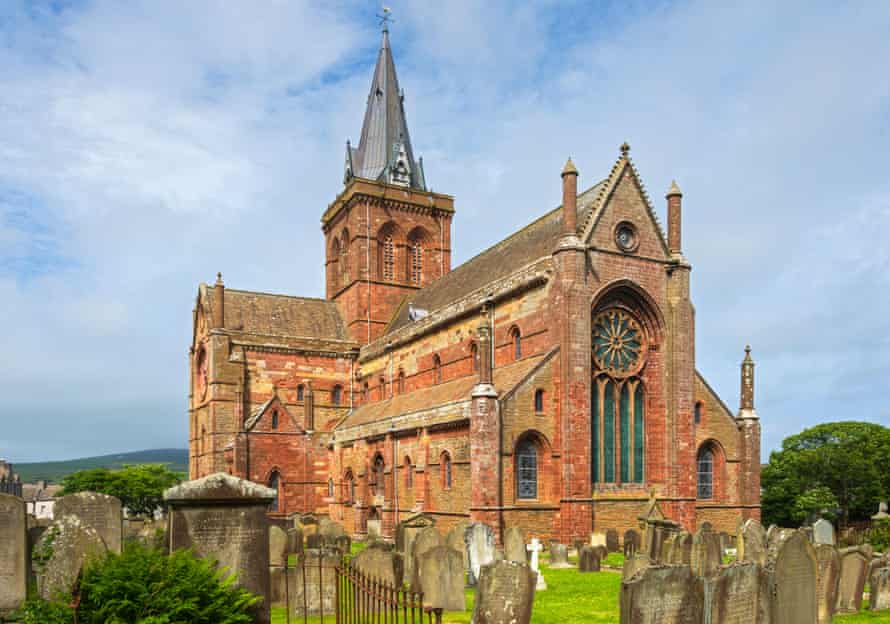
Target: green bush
[(36, 611)]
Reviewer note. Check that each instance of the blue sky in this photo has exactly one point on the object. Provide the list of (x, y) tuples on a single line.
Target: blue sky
[(146, 145)]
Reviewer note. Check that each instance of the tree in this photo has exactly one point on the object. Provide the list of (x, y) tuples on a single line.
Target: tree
[(835, 466), (140, 488)]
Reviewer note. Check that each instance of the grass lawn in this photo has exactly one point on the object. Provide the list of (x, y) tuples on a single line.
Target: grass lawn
[(572, 598)]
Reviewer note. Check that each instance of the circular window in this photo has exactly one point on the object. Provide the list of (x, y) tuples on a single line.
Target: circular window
[(626, 237), (617, 342)]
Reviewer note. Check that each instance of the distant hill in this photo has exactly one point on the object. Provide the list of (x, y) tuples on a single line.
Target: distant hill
[(55, 471)]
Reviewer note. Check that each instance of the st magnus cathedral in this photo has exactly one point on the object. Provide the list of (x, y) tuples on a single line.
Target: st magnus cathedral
[(548, 382)]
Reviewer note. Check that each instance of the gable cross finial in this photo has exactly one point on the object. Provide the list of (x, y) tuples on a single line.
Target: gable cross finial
[(386, 18), (625, 148)]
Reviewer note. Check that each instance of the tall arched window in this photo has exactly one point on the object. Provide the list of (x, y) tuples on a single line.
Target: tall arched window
[(334, 266), (301, 392), (698, 410), (379, 468), (446, 471), (526, 469), (274, 479), (516, 338), (388, 258), (617, 399), (365, 392), (382, 384), (330, 487), (416, 262), (275, 419), (337, 395), (401, 382), (437, 369), (705, 469), (344, 257), (409, 474), (350, 486)]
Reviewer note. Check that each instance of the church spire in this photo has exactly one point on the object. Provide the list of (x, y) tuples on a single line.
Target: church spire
[(384, 151)]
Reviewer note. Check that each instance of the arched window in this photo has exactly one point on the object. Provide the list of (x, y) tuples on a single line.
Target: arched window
[(539, 400), (274, 479), (301, 392), (409, 474), (365, 393), (446, 471), (526, 469), (382, 383), (350, 486), (337, 395), (705, 469), (698, 410), (379, 468), (275, 419), (516, 338), (474, 355), (201, 372), (401, 382), (330, 487), (387, 259), (416, 249), (437, 369), (335, 263), (344, 257)]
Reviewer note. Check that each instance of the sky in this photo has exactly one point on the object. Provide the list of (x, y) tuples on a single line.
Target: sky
[(146, 145)]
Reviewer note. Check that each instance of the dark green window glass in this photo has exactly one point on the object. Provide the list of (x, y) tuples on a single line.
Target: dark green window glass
[(595, 431), (639, 433), (624, 416), (609, 432)]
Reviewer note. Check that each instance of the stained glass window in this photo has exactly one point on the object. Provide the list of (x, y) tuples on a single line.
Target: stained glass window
[(617, 342), (639, 432), (706, 473), (624, 425), (526, 469), (609, 432), (595, 431)]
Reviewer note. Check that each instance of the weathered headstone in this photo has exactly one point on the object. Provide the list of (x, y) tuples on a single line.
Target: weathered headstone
[(100, 511), (751, 542), (823, 532), (317, 575), (771, 532), (588, 559), (706, 554), (828, 574), (64, 549), (680, 551), (406, 531), (631, 543), (612, 540), (381, 564), (374, 529), (794, 578), (294, 541), (663, 595), (13, 553), (427, 539), (634, 564), (739, 594), (879, 586), (440, 572), (314, 541), (224, 518), (479, 539), (277, 546), (505, 594), (559, 556), (534, 549), (514, 545), (854, 567), (455, 541)]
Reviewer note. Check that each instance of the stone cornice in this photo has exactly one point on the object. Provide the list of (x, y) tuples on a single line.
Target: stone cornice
[(388, 195)]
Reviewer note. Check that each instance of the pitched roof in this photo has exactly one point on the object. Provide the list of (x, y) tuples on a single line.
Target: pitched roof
[(265, 314), (384, 130), (533, 242), (505, 378)]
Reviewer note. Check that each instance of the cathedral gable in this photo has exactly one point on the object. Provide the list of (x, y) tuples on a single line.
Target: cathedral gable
[(272, 417)]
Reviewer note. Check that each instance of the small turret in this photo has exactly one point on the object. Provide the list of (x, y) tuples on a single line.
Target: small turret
[(219, 302), (746, 406), (569, 198), (675, 217)]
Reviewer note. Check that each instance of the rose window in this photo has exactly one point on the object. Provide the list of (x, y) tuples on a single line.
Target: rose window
[(617, 342)]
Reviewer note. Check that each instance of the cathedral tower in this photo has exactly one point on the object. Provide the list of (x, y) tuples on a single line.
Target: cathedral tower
[(386, 234)]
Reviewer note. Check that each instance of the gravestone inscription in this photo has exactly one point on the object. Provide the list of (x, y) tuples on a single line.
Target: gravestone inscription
[(854, 567), (828, 574), (559, 556), (794, 578), (514, 545), (505, 594), (100, 511), (663, 595), (739, 594), (879, 586), (440, 572)]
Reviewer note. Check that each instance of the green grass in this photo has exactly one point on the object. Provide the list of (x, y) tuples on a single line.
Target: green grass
[(574, 598), (176, 460)]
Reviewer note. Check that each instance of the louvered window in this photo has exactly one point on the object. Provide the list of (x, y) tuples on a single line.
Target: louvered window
[(416, 262), (389, 259)]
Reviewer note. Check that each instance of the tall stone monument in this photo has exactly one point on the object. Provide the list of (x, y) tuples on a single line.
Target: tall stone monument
[(13, 553)]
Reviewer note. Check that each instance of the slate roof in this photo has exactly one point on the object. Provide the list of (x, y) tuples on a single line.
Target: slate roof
[(505, 379), (533, 242), (266, 314)]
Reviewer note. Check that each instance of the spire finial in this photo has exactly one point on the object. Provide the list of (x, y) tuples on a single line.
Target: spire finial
[(674, 190), (625, 148), (219, 278), (385, 19), (570, 167)]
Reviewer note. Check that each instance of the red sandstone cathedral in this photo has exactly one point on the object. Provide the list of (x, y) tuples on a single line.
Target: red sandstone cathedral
[(549, 382)]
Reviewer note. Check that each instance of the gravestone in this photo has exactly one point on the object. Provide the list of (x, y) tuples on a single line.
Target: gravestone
[(657, 531), (879, 586), (277, 546), (794, 579), (577, 544), (455, 541), (854, 566), (559, 556), (479, 539), (828, 575), (751, 542), (223, 517), (406, 531), (739, 594), (294, 541), (66, 547), (440, 572), (505, 594), (823, 532), (342, 543), (316, 573), (588, 559), (597, 539), (662, 595), (374, 529), (635, 564), (534, 550), (314, 541), (680, 552), (771, 532), (631, 543), (13, 553), (100, 511), (514, 545), (706, 555), (428, 539), (381, 564), (612, 540)]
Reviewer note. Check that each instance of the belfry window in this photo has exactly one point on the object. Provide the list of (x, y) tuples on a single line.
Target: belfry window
[(705, 469), (526, 469), (389, 258), (618, 402)]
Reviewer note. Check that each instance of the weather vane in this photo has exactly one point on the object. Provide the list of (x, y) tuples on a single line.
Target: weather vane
[(386, 18)]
